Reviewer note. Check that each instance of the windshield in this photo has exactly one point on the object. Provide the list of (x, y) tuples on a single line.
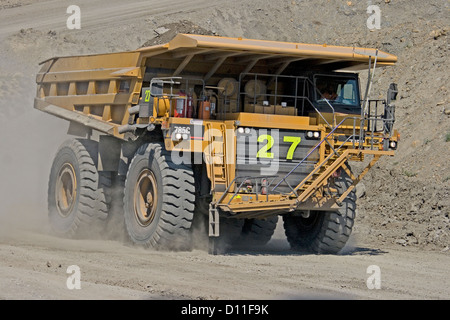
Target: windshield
[(340, 91)]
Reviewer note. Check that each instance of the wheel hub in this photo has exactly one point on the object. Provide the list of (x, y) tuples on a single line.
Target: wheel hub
[(66, 190), (145, 198)]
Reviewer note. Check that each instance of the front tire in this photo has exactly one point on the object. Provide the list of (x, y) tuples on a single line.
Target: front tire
[(159, 198), (323, 232), (257, 232)]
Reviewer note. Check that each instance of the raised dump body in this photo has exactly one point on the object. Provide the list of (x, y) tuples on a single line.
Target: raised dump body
[(239, 131)]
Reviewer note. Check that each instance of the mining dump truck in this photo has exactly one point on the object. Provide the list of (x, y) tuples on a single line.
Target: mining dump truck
[(224, 133)]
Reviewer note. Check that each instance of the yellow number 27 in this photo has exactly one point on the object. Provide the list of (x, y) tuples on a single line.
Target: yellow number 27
[(264, 151)]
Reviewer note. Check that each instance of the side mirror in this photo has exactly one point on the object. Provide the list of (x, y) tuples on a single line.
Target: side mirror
[(392, 93)]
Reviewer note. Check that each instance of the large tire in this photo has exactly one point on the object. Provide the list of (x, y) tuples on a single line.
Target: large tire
[(256, 232), (159, 199), (323, 232), (77, 193)]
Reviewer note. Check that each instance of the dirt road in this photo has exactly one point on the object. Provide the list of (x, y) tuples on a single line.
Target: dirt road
[(33, 264)]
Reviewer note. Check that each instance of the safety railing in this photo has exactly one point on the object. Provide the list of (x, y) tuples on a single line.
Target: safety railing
[(296, 96), (372, 125), (335, 152)]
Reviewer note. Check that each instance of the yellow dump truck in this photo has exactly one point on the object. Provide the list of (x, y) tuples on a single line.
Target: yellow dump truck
[(229, 131)]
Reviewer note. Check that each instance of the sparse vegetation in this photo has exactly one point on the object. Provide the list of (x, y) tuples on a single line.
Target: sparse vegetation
[(409, 174)]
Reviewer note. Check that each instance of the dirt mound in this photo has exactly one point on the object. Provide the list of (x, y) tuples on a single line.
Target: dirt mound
[(166, 32)]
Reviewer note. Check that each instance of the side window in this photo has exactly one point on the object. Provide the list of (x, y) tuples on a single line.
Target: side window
[(339, 90), (349, 92)]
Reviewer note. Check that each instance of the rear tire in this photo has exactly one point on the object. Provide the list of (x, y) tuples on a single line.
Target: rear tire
[(323, 232), (159, 198), (77, 192)]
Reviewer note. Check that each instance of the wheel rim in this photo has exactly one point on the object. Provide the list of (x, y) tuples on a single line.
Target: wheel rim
[(66, 190), (145, 198)]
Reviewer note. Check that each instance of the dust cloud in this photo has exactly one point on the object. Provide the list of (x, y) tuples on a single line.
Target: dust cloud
[(28, 142)]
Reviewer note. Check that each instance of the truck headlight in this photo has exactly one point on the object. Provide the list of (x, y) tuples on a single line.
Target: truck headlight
[(242, 130), (313, 134)]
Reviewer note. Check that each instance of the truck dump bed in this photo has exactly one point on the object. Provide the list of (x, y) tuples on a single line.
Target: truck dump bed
[(98, 90)]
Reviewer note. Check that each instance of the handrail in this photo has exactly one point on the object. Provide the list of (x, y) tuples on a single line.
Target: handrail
[(360, 140), (314, 149), (331, 126)]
